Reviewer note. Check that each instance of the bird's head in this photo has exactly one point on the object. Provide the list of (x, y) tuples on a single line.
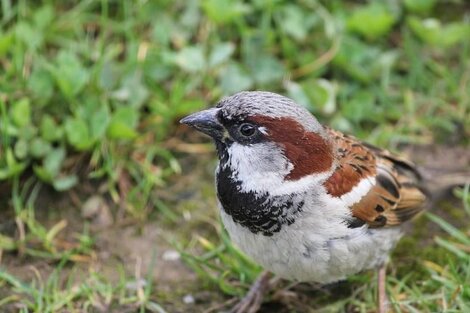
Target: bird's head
[(267, 140)]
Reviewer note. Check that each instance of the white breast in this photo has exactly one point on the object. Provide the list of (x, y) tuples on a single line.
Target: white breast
[(318, 246)]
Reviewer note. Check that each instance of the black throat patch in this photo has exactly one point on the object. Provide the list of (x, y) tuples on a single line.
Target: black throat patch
[(259, 212)]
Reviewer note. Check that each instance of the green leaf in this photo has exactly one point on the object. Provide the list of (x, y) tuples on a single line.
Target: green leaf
[(43, 16), (221, 53), (266, 69), (297, 93), (419, 6), (360, 107), (21, 149), (132, 90), (123, 123), (49, 129), (41, 84), (190, 17), (119, 130), (29, 35), (293, 22), (109, 75), (53, 161), (191, 59), (432, 31), (99, 122), (372, 21), (359, 60), (13, 167), (6, 43), (51, 165), (224, 11), (157, 71), (42, 173), (64, 183), (27, 132), (39, 148), (233, 79), (78, 134), (161, 31), (315, 95), (322, 94), (427, 30), (10, 157), (69, 74), (186, 106), (21, 112)]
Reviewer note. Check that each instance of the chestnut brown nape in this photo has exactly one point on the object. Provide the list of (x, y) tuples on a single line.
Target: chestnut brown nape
[(307, 151)]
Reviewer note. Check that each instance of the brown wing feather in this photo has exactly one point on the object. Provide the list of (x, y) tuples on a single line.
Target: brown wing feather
[(355, 162), (395, 197)]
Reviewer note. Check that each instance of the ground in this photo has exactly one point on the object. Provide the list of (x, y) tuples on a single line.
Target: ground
[(149, 251)]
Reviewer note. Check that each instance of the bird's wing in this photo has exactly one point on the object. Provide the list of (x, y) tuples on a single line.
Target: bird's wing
[(394, 196)]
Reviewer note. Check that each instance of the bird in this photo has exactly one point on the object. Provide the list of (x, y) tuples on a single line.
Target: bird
[(306, 202)]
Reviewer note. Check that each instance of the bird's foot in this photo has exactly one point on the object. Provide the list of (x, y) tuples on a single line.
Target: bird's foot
[(252, 301), (382, 299)]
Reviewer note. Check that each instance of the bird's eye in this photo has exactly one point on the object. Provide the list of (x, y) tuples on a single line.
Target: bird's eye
[(247, 130)]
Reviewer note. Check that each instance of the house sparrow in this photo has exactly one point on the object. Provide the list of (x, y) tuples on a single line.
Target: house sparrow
[(306, 202)]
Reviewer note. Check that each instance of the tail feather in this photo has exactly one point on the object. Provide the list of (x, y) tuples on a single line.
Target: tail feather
[(439, 186), (441, 167)]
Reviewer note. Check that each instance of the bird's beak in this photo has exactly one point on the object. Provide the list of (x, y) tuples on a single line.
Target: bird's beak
[(206, 122)]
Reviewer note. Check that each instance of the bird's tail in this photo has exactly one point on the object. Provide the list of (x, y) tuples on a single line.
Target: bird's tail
[(438, 184)]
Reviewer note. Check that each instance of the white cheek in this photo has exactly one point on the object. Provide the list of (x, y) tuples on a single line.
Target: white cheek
[(257, 166), (263, 168)]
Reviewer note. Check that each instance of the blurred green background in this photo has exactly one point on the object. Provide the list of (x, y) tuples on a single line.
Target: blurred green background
[(90, 96)]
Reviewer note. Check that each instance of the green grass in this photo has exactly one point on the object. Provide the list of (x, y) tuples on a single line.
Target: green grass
[(90, 92), (95, 293)]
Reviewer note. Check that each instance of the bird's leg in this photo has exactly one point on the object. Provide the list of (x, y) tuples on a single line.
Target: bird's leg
[(382, 301), (252, 301)]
